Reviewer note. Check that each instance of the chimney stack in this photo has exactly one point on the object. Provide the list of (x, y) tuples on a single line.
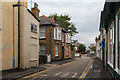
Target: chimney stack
[(35, 10), (52, 19)]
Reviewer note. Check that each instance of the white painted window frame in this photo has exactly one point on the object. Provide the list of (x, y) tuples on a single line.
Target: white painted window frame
[(112, 25), (41, 31)]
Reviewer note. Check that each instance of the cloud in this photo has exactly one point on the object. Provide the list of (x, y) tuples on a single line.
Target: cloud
[(85, 16)]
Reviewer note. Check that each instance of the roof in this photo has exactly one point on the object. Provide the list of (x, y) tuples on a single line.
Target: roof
[(46, 21)]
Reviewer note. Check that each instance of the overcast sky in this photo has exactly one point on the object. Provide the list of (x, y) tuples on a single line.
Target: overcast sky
[(85, 15)]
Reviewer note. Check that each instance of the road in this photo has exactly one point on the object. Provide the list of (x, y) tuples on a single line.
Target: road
[(71, 70)]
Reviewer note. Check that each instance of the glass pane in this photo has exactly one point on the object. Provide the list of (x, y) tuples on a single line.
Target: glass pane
[(111, 46), (35, 28), (56, 50), (31, 27)]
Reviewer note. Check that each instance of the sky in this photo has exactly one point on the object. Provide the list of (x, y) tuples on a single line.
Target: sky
[(85, 14)]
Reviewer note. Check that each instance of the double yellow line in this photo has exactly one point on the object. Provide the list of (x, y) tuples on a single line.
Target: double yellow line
[(85, 71), (50, 69)]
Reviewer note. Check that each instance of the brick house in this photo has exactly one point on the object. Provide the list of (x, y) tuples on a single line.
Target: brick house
[(66, 44), (52, 38)]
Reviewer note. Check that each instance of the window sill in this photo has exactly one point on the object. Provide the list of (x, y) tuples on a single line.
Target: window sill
[(56, 56), (32, 60), (68, 43), (34, 32), (117, 70), (42, 38), (110, 64), (67, 55)]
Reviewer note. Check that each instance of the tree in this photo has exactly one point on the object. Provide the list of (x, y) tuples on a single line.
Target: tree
[(72, 44), (93, 48), (64, 21), (81, 48)]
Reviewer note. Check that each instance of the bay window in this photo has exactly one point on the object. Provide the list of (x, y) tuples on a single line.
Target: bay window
[(62, 37), (42, 32), (57, 33), (68, 38)]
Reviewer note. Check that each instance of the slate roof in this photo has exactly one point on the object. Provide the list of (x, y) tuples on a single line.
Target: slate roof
[(46, 21)]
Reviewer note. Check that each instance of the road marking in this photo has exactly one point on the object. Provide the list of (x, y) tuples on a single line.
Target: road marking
[(86, 70), (43, 75), (57, 74), (65, 75), (49, 69), (74, 75)]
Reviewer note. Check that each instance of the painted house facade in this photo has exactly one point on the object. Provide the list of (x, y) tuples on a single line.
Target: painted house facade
[(111, 45), (54, 42), (97, 47), (14, 45)]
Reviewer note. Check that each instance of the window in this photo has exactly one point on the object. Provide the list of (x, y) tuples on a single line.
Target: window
[(62, 37), (56, 50), (57, 33), (67, 51), (33, 27), (111, 43), (67, 38), (119, 40), (42, 49), (42, 32)]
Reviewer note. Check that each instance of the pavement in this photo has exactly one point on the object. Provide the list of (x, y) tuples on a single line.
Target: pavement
[(97, 71), (18, 73)]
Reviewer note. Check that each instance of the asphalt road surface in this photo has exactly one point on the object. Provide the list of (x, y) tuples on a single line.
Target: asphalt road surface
[(72, 70)]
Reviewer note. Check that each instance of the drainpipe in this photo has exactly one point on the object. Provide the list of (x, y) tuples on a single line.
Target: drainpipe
[(16, 5), (18, 33), (13, 42)]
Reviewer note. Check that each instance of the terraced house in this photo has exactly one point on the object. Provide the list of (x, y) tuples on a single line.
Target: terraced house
[(111, 23), (54, 41), (19, 36)]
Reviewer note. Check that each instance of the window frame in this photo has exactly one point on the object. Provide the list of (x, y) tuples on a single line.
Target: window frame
[(34, 26), (111, 44), (42, 32), (56, 50), (118, 18)]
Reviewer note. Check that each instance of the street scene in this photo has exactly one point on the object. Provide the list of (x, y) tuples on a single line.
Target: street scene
[(59, 40)]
